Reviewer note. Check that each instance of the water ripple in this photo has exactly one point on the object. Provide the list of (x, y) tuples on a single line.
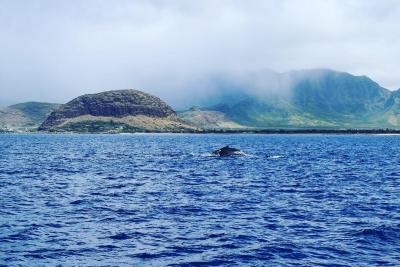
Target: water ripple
[(163, 200)]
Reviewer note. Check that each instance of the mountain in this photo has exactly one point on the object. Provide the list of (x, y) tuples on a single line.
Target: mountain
[(25, 116), (318, 98), (391, 114), (115, 111), (208, 119)]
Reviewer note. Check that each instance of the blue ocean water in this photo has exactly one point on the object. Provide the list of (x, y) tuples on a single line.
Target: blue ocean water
[(162, 200)]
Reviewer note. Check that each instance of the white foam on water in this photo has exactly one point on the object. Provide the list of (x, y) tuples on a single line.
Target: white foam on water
[(275, 157)]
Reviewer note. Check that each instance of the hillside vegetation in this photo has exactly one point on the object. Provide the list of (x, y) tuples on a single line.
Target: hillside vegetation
[(302, 99), (25, 116)]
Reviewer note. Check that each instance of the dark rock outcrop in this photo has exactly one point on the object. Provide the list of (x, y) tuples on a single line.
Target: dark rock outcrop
[(116, 104)]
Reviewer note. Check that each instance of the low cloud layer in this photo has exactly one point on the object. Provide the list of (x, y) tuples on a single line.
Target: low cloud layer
[(57, 50)]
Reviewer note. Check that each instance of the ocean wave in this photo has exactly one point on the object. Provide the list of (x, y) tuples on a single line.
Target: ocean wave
[(383, 233), (291, 201)]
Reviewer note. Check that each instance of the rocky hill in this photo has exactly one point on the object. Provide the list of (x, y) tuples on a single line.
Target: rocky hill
[(317, 98), (25, 116), (115, 111)]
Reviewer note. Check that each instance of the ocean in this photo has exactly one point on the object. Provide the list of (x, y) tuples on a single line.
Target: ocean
[(164, 200)]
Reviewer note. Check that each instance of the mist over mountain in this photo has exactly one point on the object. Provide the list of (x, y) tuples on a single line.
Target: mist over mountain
[(57, 50), (319, 98), (313, 98)]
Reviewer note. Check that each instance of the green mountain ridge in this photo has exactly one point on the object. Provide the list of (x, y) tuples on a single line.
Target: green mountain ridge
[(305, 99), (25, 116), (319, 98)]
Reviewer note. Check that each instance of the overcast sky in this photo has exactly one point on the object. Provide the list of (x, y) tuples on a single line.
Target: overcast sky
[(57, 50)]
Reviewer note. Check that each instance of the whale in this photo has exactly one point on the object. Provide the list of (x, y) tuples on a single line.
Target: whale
[(227, 151)]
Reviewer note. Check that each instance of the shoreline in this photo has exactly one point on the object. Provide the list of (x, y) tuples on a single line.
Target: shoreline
[(237, 131)]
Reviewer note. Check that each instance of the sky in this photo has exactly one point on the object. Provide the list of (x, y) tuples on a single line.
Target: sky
[(57, 50)]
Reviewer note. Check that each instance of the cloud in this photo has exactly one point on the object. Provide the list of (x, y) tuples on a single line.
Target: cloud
[(57, 50)]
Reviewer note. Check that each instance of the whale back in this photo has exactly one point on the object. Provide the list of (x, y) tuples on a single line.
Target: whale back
[(226, 151)]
